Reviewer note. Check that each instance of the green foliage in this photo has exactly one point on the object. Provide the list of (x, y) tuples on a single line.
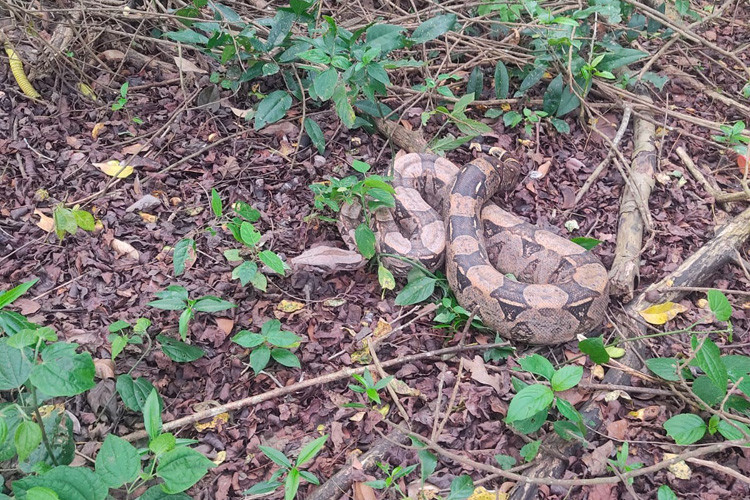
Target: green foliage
[(292, 471), (734, 137), (175, 298), (391, 479), (271, 342), (370, 192), (621, 462), (332, 64), (69, 220), (530, 406), (12, 322), (368, 386), (123, 99), (123, 333)]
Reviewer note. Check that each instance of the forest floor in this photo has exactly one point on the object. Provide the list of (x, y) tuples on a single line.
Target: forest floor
[(184, 142)]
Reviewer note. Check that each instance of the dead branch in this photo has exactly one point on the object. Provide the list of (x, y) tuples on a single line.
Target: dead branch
[(709, 184)]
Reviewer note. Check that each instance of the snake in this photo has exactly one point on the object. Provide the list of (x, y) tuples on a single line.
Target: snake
[(528, 284)]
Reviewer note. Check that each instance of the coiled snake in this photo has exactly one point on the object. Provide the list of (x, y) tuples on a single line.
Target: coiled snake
[(442, 214)]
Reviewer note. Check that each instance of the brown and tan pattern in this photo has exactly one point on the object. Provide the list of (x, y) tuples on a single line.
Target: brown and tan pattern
[(558, 289)]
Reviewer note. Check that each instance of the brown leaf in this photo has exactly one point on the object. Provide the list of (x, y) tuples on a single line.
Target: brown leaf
[(125, 249), (104, 368), (27, 306), (187, 66), (327, 259), (479, 373), (364, 492), (225, 324)]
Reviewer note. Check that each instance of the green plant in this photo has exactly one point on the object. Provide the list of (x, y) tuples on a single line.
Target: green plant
[(69, 220), (621, 464), (11, 322), (271, 342), (123, 333), (292, 471), (123, 99), (368, 386), (243, 231), (331, 64), (369, 192), (469, 127), (175, 298), (734, 138), (392, 476), (530, 406)]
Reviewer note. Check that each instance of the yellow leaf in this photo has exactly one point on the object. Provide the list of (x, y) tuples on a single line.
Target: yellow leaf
[(482, 494), (221, 456), (357, 417), (86, 91), (362, 356), (679, 469), (221, 418), (702, 303), (334, 302), (383, 410), (598, 372), (98, 129), (661, 313), (382, 329), (148, 217), (505, 106), (289, 306), (615, 352), (113, 169)]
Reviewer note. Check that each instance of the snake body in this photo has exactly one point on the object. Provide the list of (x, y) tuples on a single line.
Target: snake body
[(442, 214)]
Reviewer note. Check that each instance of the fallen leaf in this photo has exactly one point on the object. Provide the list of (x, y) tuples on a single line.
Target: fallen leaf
[(125, 249), (357, 417), (148, 217), (402, 388), (27, 306), (382, 329), (482, 493), (327, 259), (87, 91), (647, 413), (135, 149), (479, 373), (146, 202), (597, 372), (364, 492), (225, 324), (659, 314), (289, 306), (334, 302), (45, 223), (104, 368), (113, 169), (220, 457), (243, 113), (220, 419), (187, 66), (98, 129), (112, 55), (680, 469)]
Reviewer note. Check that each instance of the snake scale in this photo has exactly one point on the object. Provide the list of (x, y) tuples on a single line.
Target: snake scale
[(528, 284)]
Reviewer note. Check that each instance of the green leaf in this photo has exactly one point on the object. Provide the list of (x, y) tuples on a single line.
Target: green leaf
[(433, 28), (365, 239), (118, 326), (286, 358), (84, 220), (152, 414), (385, 36), (538, 365), (343, 107), (40, 493), (530, 450), (117, 462), (709, 360), (182, 253), (704, 388), (360, 166), (553, 95), (587, 243), (316, 56), (187, 36), (259, 358), (719, 305), (476, 82), (157, 493), (566, 377), (505, 461), (62, 371), (512, 118), (216, 206), (184, 321), (416, 291), (283, 338), (665, 493), (133, 392), (245, 272), (291, 485), (27, 437), (311, 449), (594, 347), (262, 487), (502, 80), (15, 368), (228, 14), (272, 108), (568, 102), (248, 339), (259, 281), (209, 303), (9, 296), (70, 483), (427, 460), (174, 298), (64, 221), (569, 411), (273, 261), (562, 127), (162, 443), (685, 428), (118, 344), (732, 433), (181, 468), (325, 83), (462, 487), (385, 278), (568, 430), (280, 27), (529, 401), (315, 133), (665, 368), (276, 456), (179, 351), (531, 79), (619, 58)]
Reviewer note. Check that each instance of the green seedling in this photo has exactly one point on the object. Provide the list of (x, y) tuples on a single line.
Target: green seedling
[(368, 386), (175, 298), (123, 333), (271, 342)]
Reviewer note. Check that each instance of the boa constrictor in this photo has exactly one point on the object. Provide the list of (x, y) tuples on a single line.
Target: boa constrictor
[(442, 214)]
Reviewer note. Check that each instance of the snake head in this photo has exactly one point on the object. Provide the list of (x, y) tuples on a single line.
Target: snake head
[(507, 168)]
